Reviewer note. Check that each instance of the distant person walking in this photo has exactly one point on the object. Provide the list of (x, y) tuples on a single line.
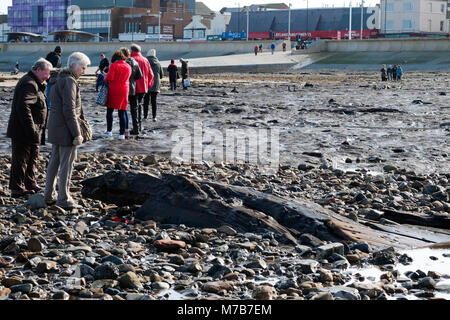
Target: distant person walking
[(54, 58), (136, 74), (184, 71), (102, 67), (256, 50), (260, 47), (142, 85), (399, 72), (272, 46), (64, 130), (152, 93), (25, 126), (383, 73), (173, 74), (389, 72), (118, 87), (284, 46), (394, 72)]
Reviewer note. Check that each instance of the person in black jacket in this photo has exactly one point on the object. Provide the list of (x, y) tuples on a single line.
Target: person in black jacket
[(54, 58), (136, 74), (173, 74), (102, 67), (25, 126), (184, 71)]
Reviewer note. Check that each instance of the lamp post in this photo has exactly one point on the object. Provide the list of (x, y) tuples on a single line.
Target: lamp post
[(132, 19), (307, 16), (289, 22), (350, 23), (362, 19), (248, 10), (159, 26)]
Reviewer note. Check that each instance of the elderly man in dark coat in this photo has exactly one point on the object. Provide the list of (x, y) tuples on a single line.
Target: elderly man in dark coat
[(25, 127)]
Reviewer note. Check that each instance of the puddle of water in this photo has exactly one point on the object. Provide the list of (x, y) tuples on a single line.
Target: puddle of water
[(421, 261)]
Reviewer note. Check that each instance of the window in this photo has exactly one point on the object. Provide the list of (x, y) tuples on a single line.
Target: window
[(408, 6), (442, 26), (389, 24), (149, 29), (407, 24), (442, 8), (389, 6)]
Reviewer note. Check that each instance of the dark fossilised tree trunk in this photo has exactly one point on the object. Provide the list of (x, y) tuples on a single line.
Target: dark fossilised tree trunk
[(179, 200)]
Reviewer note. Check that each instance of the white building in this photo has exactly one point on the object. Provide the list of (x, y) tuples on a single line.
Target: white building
[(195, 30), (4, 28), (414, 16)]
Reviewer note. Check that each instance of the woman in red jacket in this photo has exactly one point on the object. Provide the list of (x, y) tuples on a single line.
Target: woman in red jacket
[(118, 87)]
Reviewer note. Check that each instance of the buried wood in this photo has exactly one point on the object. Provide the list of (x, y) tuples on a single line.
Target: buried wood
[(176, 199)]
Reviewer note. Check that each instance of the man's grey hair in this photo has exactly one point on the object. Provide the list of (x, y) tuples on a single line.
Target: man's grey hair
[(78, 58), (135, 47), (42, 64)]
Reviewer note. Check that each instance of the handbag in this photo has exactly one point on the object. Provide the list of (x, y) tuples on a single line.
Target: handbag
[(102, 97), (85, 128), (187, 82)]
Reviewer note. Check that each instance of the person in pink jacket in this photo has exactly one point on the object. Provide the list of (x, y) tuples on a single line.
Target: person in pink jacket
[(142, 85), (118, 87)]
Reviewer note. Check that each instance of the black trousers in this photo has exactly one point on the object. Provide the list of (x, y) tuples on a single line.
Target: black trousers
[(24, 161), (150, 97), (136, 111)]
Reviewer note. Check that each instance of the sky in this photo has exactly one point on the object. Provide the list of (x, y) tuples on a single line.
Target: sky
[(216, 5)]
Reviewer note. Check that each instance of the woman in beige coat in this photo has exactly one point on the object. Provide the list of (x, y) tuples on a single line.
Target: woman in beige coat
[(64, 130)]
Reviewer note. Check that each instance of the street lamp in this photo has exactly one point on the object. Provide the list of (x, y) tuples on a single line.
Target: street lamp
[(248, 10), (159, 26), (289, 22), (350, 23), (362, 19)]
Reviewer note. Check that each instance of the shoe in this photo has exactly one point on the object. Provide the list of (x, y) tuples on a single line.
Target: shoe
[(134, 132), (50, 202), (35, 189), (69, 206), (154, 119), (122, 137), (145, 119), (127, 133), (20, 193), (107, 134)]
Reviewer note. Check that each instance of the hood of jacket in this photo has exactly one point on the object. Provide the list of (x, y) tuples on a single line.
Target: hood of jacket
[(61, 74), (153, 59)]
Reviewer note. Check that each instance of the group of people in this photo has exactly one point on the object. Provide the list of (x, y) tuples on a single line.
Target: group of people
[(392, 73), (48, 97)]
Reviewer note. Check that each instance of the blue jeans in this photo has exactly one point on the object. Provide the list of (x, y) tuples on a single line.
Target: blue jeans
[(123, 120)]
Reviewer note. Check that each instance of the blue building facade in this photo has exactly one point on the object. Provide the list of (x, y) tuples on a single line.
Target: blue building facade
[(38, 16)]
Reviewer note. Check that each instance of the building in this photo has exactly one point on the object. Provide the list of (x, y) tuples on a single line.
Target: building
[(414, 17), (328, 23), (4, 28), (256, 7), (38, 16)]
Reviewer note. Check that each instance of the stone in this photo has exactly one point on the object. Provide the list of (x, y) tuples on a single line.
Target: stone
[(129, 280), (385, 256), (342, 292), (81, 227), (4, 292), (24, 288), (46, 266), (265, 293), (308, 266), (160, 285), (427, 283), (169, 245), (3, 263), (106, 270), (326, 250), (11, 281), (227, 230), (113, 259), (217, 287), (36, 201), (61, 295), (34, 245), (257, 264), (361, 246), (323, 296), (105, 283)]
